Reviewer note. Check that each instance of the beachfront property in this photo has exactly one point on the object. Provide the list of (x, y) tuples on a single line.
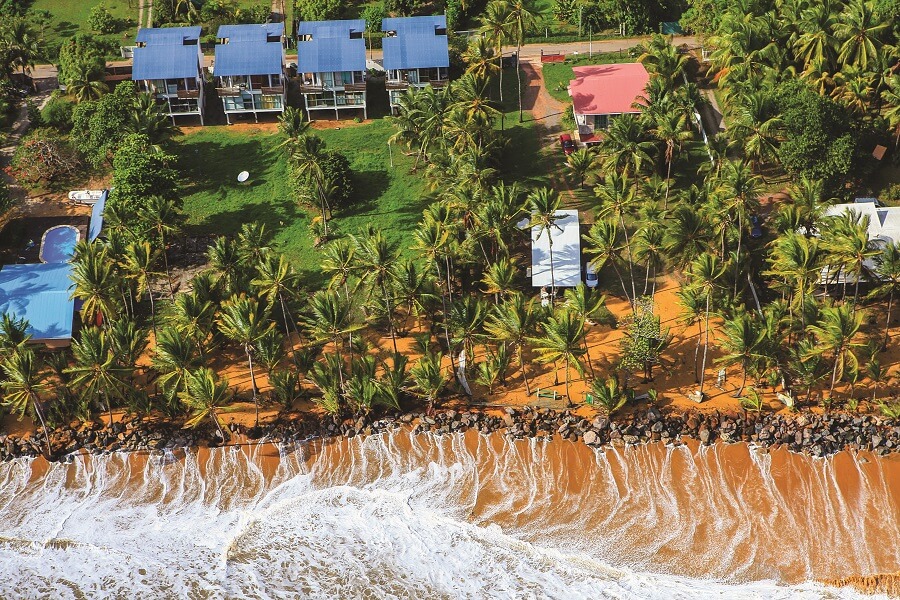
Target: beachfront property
[(415, 54), (566, 234), (331, 63), (601, 93), (884, 229), (40, 292), (249, 69), (168, 63)]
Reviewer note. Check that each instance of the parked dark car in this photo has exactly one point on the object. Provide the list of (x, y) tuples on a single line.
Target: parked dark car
[(756, 231), (567, 143)]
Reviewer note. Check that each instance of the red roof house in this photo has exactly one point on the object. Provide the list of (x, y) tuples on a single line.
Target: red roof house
[(602, 92)]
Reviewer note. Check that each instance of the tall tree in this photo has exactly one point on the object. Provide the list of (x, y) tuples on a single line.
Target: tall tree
[(244, 321), (562, 342), (543, 204), (514, 322), (522, 17), (25, 382)]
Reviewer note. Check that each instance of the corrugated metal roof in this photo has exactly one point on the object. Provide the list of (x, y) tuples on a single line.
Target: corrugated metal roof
[(607, 89), (340, 28), (167, 35), (566, 235), (331, 54), (416, 45), (250, 33), (165, 62), (39, 293), (97, 217), (246, 58), (425, 24)]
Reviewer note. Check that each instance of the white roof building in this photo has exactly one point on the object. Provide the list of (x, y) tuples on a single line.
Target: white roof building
[(566, 235), (884, 227)]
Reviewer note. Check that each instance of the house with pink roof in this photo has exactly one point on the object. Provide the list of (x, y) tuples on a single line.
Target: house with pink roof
[(600, 93)]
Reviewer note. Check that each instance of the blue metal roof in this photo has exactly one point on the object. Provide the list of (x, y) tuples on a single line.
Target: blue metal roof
[(39, 293), (97, 217), (331, 48), (165, 62), (250, 33), (340, 28), (248, 52), (416, 44), (167, 35)]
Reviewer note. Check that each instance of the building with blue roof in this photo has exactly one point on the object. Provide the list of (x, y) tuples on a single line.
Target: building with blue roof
[(40, 294), (168, 63), (331, 62), (415, 54), (249, 69)]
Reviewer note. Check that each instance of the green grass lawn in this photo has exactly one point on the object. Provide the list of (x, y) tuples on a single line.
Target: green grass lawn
[(68, 17), (211, 159), (558, 75)]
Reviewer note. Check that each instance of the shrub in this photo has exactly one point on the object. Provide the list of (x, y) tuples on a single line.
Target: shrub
[(101, 20), (58, 113)]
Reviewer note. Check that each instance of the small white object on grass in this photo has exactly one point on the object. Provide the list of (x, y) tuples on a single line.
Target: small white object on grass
[(243, 176)]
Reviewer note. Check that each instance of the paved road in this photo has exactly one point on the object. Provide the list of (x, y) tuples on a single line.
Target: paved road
[(528, 51)]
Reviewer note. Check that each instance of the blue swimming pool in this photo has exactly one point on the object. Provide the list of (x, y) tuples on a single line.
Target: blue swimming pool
[(58, 244)]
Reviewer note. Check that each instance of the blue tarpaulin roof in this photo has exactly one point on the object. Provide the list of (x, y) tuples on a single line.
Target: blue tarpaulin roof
[(39, 293), (248, 52), (165, 56), (97, 217), (331, 47), (167, 35), (250, 33), (416, 44)]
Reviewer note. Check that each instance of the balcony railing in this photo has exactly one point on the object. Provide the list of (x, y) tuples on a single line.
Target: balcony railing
[(341, 101)]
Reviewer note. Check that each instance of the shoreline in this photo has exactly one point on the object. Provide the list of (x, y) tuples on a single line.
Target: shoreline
[(810, 433)]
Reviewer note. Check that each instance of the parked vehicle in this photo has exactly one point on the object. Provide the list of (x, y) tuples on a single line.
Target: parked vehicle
[(590, 276), (567, 143), (756, 231)]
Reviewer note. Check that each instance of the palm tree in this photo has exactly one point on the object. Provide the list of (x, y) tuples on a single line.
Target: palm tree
[(580, 164), (846, 241), (13, 334), (428, 377), (742, 340), (276, 280), (795, 259), (587, 304), (500, 278), (96, 282), (307, 155), (330, 318), (705, 272), (164, 218), (891, 97), (816, 42), (860, 33), (663, 60), (755, 121), (174, 357), (602, 241), (244, 320), (887, 269), (466, 317), (693, 303), (25, 382), (687, 236), (193, 317), (495, 25), (607, 395), (513, 323), (147, 117), (626, 149), (522, 18), (97, 373), (83, 84), (21, 44), (740, 189), (543, 204), (617, 199), (226, 259), (139, 262), (562, 342), (204, 395), (480, 58), (377, 255), (292, 126), (836, 332), (670, 128)]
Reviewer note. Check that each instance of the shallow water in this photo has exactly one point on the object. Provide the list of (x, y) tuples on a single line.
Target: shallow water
[(461, 516)]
